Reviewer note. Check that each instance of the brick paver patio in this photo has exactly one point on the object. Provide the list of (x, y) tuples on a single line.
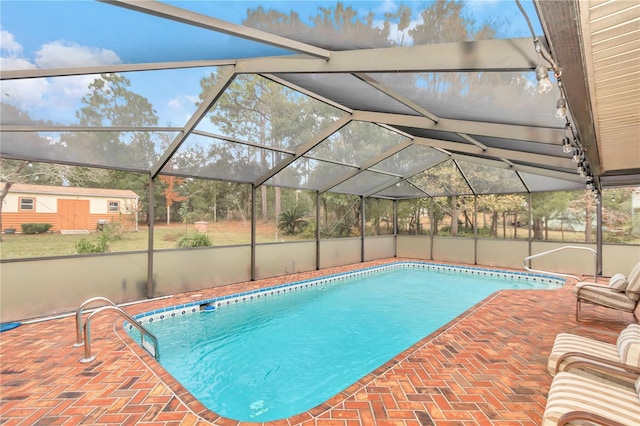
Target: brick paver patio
[(487, 367)]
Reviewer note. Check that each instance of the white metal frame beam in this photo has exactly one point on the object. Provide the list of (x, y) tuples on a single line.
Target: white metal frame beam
[(572, 177), (405, 179), (505, 131), (388, 153), (490, 55), (498, 153), (304, 91), (221, 85), (100, 69), (334, 127), (398, 97), (58, 128), (517, 54), (188, 17)]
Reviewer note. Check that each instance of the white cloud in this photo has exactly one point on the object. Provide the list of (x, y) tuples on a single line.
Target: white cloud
[(59, 96), (15, 63), (69, 90), (178, 106), (50, 98), (60, 54), (175, 103), (25, 94), (8, 43), (183, 102)]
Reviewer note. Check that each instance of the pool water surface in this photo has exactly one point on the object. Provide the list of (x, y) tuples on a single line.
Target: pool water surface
[(272, 357)]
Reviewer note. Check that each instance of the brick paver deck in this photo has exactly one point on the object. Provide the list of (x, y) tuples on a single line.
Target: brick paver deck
[(487, 367)]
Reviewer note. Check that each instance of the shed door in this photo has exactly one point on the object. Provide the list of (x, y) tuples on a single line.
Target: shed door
[(73, 214)]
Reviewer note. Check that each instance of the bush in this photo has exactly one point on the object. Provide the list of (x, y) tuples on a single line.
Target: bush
[(112, 231), (309, 232), (35, 228), (194, 240), (85, 246), (484, 232), (340, 229), (465, 231), (108, 232)]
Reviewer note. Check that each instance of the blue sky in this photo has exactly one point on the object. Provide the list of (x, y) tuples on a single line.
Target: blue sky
[(51, 34)]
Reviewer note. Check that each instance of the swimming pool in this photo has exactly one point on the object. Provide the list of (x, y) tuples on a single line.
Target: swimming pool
[(276, 352)]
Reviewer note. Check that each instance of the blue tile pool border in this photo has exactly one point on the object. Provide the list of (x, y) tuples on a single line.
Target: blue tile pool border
[(234, 299)]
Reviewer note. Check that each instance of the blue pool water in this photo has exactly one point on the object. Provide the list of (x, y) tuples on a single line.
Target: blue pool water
[(273, 357)]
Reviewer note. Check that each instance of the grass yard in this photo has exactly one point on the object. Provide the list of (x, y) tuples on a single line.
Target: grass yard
[(20, 246)]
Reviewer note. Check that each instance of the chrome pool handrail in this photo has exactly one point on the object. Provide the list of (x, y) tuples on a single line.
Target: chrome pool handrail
[(154, 351), (79, 341), (595, 265)]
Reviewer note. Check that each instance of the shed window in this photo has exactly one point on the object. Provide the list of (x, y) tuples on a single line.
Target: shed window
[(114, 206), (27, 204)]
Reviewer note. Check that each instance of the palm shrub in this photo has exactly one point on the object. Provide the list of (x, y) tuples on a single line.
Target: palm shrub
[(291, 219)]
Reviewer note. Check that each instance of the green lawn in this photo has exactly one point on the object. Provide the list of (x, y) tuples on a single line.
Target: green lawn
[(18, 246)]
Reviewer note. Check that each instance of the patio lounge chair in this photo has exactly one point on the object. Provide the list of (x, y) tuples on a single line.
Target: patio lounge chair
[(574, 399), (617, 295), (570, 350)]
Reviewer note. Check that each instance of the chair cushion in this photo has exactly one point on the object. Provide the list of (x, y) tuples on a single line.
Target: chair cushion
[(629, 345), (570, 392), (633, 283), (566, 342), (635, 269), (618, 283), (602, 295)]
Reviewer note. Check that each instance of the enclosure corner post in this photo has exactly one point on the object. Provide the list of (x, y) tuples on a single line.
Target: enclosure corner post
[(475, 229), (395, 228), (317, 230), (530, 199), (432, 230), (362, 228), (150, 215), (253, 232)]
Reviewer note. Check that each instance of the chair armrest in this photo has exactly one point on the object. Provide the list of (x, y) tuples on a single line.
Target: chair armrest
[(586, 284), (602, 365), (584, 415), (583, 284)]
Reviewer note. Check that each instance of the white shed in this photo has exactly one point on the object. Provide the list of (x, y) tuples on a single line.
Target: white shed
[(68, 208)]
